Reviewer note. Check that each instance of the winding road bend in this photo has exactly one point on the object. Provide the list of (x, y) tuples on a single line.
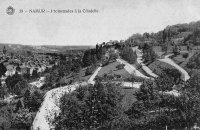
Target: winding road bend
[(184, 75), (139, 54)]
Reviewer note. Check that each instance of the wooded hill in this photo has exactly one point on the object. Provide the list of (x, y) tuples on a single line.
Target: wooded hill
[(179, 34)]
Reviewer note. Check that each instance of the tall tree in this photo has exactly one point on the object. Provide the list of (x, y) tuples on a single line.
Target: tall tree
[(164, 82), (12, 81), (23, 119), (92, 107), (20, 87), (6, 114), (149, 54), (36, 100), (128, 55), (35, 74), (2, 69), (4, 50), (94, 59), (164, 35), (27, 99), (87, 58)]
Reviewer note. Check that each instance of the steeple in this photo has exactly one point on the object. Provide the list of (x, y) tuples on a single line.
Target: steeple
[(4, 50)]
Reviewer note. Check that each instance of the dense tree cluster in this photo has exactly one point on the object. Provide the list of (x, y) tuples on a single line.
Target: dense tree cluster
[(194, 62), (188, 32), (89, 70), (149, 54), (65, 68), (99, 107), (92, 56), (155, 110), (129, 55), (2, 69), (91, 107), (19, 114), (16, 84), (32, 101)]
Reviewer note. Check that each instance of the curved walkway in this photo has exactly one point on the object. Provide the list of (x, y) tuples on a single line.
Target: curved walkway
[(91, 79), (131, 69), (184, 74), (50, 105), (139, 54)]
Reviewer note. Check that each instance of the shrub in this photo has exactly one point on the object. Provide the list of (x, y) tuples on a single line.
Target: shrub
[(113, 55), (194, 62), (185, 55), (105, 63), (89, 70), (90, 107), (87, 58), (128, 55), (120, 66), (158, 67), (149, 54), (191, 65), (134, 78)]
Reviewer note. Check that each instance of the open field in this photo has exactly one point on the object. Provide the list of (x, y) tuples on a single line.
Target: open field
[(111, 68)]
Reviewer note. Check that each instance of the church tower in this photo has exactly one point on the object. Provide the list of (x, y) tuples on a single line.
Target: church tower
[(4, 50)]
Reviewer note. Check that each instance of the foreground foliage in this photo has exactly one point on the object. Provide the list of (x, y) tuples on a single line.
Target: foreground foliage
[(92, 107)]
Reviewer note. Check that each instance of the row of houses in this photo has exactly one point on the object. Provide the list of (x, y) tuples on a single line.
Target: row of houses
[(12, 69)]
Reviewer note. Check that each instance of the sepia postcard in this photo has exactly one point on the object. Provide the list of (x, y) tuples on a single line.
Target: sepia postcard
[(99, 64)]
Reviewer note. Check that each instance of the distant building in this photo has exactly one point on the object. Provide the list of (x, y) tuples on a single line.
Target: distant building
[(11, 70), (25, 70)]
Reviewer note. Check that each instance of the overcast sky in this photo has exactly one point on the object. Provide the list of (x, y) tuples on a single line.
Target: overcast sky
[(116, 20)]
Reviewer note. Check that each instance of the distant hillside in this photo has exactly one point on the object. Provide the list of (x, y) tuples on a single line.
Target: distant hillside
[(43, 48), (64, 48), (179, 34)]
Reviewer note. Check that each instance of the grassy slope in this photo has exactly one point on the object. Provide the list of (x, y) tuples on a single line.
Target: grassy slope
[(129, 98), (158, 66), (111, 68), (82, 75)]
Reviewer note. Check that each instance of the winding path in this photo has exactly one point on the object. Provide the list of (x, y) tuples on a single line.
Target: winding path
[(184, 74), (91, 79), (139, 54), (50, 106), (131, 69)]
